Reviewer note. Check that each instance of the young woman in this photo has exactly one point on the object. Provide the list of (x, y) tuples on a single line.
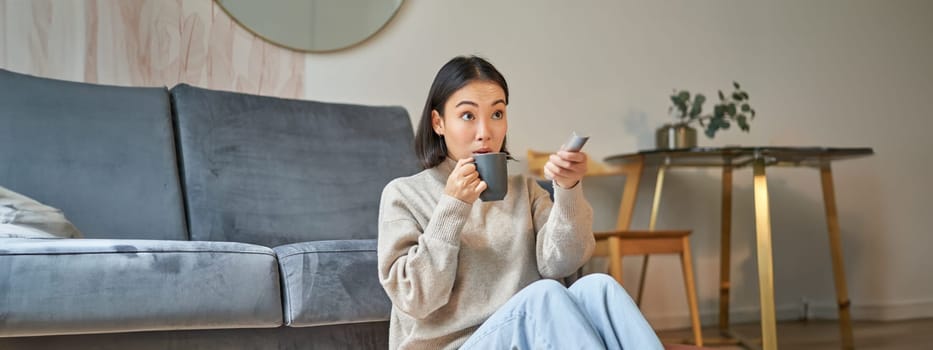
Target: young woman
[(463, 273)]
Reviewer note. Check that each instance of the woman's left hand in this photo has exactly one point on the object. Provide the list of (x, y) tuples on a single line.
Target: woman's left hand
[(566, 168)]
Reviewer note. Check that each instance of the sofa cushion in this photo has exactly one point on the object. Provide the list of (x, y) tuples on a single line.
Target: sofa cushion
[(24, 217), (103, 154), (274, 171), (79, 286), (328, 282)]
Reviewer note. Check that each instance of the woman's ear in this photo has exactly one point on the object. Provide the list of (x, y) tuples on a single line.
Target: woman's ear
[(437, 122)]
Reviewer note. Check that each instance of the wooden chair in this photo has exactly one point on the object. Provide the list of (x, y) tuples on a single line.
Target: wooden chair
[(624, 242)]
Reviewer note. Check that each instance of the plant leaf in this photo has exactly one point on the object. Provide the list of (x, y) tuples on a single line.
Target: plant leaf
[(717, 122), (743, 122), (680, 104), (675, 98), (730, 109), (736, 96), (745, 95), (684, 95), (697, 107), (721, 96), (736, 84), (746, 107)]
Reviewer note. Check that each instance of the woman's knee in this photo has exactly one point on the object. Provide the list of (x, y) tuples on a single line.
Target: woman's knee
[(597, 282), (546, 286), (601, 292), (543, 289)]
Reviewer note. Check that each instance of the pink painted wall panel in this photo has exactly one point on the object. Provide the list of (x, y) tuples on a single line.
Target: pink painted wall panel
[(144, 43)]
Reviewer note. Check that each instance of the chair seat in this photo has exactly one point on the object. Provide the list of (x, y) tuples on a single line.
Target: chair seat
[(642, 234), (642, 242)]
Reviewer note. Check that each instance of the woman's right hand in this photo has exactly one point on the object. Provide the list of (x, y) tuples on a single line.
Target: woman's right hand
[(464, 183)]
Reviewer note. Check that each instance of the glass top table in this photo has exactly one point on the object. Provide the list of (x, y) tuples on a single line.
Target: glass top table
[(759, 158), (741, 156)]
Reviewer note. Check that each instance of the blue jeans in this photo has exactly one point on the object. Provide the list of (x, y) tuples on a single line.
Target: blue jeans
[(594, 313)]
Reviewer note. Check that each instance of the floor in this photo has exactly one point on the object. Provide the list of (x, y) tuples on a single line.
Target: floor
[(812, 335)]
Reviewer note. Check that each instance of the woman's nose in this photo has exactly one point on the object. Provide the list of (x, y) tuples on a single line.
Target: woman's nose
[(482, 131)]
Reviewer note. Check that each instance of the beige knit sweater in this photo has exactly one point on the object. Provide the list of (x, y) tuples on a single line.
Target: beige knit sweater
[(448, 265)]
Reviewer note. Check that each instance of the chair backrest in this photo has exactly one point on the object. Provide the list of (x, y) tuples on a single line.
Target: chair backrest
[(537, 159), (630, 170)]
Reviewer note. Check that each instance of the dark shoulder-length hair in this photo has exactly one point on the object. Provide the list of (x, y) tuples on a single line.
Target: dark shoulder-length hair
[(455, 74)]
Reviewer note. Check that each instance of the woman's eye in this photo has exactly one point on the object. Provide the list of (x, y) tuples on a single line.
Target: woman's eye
[(497, 115), (467, 116)]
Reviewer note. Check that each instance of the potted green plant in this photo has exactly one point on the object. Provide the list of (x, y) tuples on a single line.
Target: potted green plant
[(686, 110)]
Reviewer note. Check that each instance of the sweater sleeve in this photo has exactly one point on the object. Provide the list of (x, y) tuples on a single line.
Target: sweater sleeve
[(417, 266), (564, 230)]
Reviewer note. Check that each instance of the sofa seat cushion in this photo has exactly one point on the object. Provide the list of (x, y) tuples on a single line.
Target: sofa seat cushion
[(329, 282), (80, 286)]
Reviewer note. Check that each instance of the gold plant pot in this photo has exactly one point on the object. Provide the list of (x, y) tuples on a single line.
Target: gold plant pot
[(679, 136)]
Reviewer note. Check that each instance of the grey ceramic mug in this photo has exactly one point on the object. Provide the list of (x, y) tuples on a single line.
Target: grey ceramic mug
[(493, 170)]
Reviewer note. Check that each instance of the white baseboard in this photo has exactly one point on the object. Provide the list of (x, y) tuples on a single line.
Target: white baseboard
[(889, 311), (681, 320)]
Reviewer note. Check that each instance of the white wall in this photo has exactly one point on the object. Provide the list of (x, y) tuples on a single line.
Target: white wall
[(828, 73)]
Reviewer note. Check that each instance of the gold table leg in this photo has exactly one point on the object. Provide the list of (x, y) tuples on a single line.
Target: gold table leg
[(832, 221), (725, 249), (765, 259), (655, 204)]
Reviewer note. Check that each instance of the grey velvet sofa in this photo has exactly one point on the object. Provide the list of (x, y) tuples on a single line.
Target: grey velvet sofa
[(211, 220)]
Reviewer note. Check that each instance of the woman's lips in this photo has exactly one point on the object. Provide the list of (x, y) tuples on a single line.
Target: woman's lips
[(482, 150)]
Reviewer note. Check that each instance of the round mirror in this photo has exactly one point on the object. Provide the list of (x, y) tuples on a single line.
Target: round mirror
[(312, 25)]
